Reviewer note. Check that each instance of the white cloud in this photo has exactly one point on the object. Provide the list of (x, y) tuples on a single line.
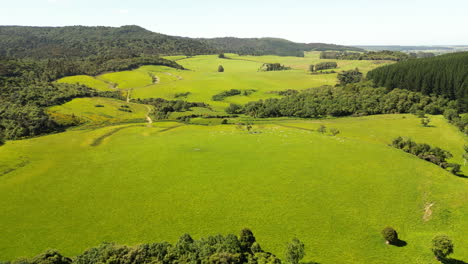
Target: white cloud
[(120, 11)]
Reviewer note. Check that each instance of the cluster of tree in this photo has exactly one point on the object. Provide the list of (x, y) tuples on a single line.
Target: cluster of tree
[(371, 55), (323, 66), (352, 99), (270, 46), (220, 96), (218, 249), (163, 108), (28, 71), (273, 67), (23, 108), (323, 129), (351, 76), (459, 121), (424, 151), (441, 75)]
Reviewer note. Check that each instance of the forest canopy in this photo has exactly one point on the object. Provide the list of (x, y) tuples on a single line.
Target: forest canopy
[(445, 75)]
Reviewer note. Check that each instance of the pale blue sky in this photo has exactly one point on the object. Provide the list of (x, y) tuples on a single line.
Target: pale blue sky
[(399, 22)]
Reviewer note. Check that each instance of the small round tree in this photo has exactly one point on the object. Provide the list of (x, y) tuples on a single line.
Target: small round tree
[(220, 68), (295, 251), (390, 235), (442, 246)]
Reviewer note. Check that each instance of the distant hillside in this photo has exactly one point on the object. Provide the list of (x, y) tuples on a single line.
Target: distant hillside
[(132, 41), (265, 46), (80, 41), (445, 75), (402, 48)]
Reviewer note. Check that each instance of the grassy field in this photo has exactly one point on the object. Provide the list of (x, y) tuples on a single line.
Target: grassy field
[(90, 81), (133, 183), (99, 111), (241, 72)]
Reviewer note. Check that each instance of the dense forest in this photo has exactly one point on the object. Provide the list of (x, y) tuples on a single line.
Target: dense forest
[(217, 249), (445, 75), (133, 41), (81, 41), (352, 99)]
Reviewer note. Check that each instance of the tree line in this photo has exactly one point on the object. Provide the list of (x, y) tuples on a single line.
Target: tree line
[(442, 75), (371, 55), (163, 108), (424, 151), (352, 99), (273, 67), (217, 249), (323, 66)]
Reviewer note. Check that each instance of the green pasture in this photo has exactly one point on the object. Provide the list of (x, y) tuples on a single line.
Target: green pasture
[(99, 111), (90, 81), (241, 72), (128, 79), (136, 183)]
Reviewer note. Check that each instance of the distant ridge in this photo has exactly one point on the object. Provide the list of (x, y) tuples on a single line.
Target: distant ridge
[(277, 46), (130, 41)]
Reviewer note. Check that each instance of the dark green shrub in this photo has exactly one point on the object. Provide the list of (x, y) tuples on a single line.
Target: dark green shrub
[(390, 235), (442, 246)]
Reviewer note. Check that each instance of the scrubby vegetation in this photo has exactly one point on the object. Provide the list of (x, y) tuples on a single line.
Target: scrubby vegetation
[(222, 95), (273, 67), (442, 75), (424, 151)]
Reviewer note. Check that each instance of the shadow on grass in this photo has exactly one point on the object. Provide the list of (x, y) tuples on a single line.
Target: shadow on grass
[(452, 261), (461, 175), (400, 243)]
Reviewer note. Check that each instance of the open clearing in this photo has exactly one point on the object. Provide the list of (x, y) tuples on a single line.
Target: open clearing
[(142, 184)]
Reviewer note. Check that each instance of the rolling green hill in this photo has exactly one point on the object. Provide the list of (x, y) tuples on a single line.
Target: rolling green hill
[(133, 183), (202, 80), (268, 46)]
